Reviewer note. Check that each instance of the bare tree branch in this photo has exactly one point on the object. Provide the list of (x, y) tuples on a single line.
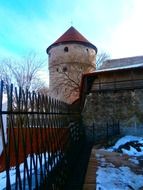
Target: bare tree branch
[(70, 78), (70, 75), (23, 73), (100, 58)]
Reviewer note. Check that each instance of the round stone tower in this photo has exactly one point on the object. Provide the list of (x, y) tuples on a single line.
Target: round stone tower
[(70, 56)]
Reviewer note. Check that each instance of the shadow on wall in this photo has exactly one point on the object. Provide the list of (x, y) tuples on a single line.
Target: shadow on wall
[(136, 130)]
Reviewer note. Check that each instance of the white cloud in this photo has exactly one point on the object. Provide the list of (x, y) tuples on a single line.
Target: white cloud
[(127, 39), (115, 26)]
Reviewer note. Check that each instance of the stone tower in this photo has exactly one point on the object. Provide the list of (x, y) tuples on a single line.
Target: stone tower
[(70, 56)]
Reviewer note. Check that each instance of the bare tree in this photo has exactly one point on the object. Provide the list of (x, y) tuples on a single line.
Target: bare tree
[(23, 73), (70, 78), (100, 58), (43, 90)]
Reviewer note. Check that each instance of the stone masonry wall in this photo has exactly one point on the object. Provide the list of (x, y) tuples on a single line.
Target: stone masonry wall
[(125, 106)]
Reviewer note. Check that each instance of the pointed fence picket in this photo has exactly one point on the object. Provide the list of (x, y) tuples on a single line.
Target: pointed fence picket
[(40, 140)]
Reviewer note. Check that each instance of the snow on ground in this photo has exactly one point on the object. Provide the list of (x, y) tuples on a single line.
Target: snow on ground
[(130, 145), (12, 171), (122, 178), (122, 169)]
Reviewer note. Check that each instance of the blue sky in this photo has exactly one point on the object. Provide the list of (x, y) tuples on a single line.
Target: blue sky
[(114, 26)]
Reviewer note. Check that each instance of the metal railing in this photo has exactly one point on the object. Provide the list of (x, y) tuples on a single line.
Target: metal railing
[(97, 134), (39, 140)]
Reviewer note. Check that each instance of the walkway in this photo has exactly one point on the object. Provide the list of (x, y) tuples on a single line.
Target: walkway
[(117, 171), (90, 178), (79, 171)]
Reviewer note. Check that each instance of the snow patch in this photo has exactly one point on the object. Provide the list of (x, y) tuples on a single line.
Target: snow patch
[(135, 148), (121, 178), (30, 163)]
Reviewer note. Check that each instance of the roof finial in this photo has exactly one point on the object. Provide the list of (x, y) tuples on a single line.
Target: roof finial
[(71, 22)]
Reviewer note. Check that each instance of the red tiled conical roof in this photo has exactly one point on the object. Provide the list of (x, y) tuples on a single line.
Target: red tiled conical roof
[(72, 36)]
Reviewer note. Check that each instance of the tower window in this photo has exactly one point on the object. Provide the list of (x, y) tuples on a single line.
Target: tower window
[(64, 69), (57, 70), (66, 49)]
